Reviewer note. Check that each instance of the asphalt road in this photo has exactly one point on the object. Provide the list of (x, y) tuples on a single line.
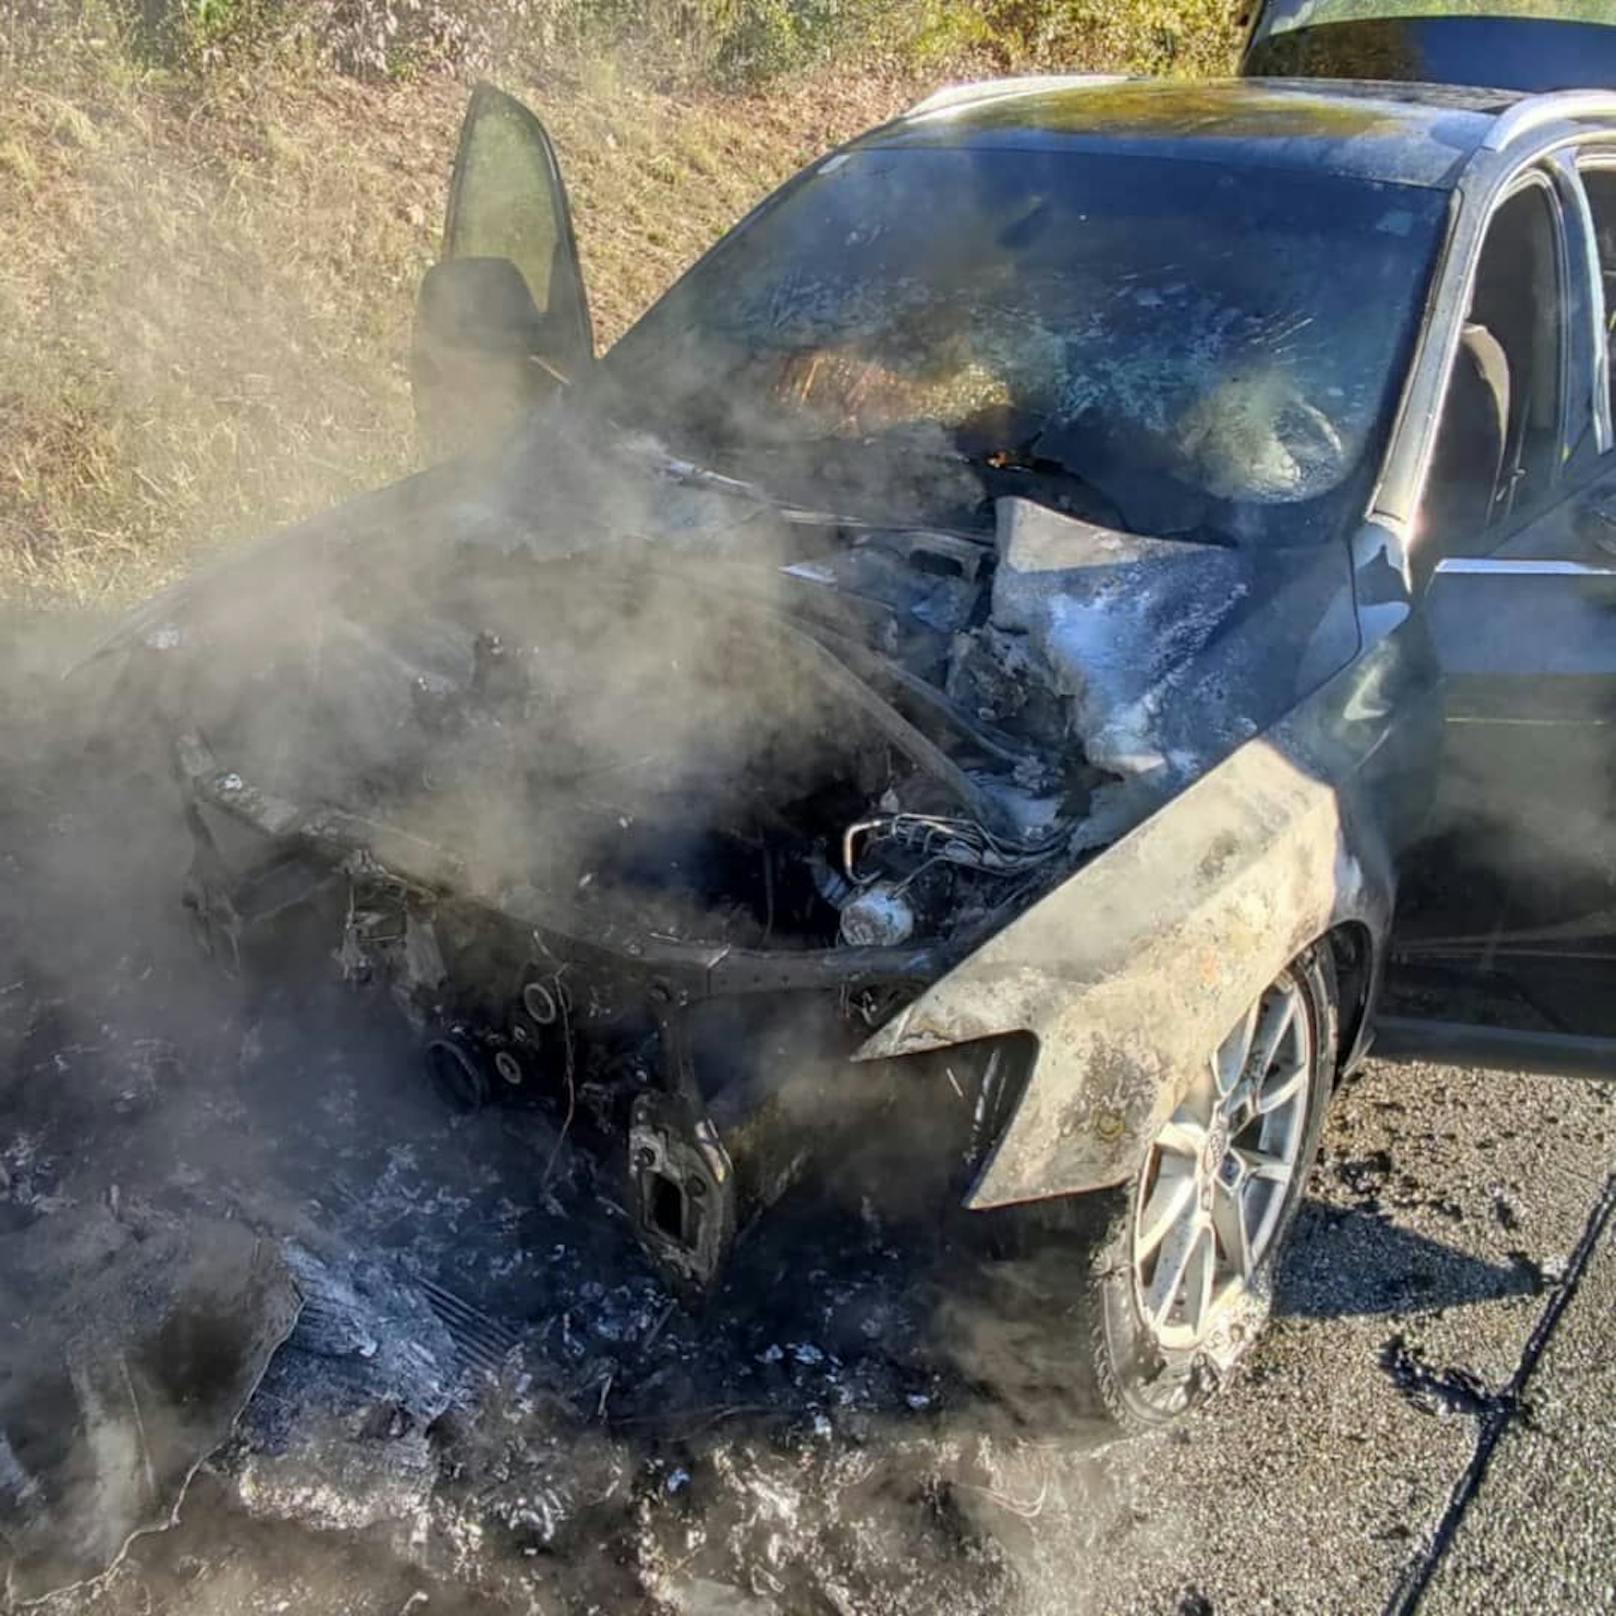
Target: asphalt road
[(1427, 1423)]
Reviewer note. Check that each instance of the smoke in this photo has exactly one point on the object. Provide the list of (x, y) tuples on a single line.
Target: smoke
[(534, 681), (567, 671)]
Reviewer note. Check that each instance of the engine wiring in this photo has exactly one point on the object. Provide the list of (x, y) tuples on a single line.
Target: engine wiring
[(939, 838)]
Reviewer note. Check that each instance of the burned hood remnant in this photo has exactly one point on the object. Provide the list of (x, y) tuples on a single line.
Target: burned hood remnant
[(659, 801)]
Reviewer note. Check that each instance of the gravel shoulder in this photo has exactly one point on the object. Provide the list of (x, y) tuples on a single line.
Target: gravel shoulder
[(1537, 1533), (1445, 1204)]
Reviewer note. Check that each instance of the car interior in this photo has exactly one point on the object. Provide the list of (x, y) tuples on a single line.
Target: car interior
[(1495, 452), (1600, 186)]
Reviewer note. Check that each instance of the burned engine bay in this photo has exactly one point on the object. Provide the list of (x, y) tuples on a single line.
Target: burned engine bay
[(658, 829)]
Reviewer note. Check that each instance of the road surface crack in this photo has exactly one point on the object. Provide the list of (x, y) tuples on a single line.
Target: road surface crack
[(1495, 1411)]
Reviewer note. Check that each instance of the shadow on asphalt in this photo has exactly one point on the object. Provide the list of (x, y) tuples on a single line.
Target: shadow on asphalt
[(1355, 1262)]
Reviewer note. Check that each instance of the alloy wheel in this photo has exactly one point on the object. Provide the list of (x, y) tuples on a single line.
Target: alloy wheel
[(1220, 1172)]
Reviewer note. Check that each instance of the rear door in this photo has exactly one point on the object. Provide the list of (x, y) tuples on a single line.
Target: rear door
[(502, 319), (1507, 908), (1547, 45)]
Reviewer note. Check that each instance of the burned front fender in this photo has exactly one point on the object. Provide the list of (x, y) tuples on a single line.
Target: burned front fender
[(1130, 972)]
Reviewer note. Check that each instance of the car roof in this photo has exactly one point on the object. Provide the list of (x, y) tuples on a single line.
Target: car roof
[(1412, 134)]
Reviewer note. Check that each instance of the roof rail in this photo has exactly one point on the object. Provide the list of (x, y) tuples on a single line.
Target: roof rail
[(1537, 111), (960, 95)]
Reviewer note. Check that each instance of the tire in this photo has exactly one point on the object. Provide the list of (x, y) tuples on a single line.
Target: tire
[(1054, 1314)]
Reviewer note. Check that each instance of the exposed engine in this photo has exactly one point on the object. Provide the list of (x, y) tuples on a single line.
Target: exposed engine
[(657, 835)]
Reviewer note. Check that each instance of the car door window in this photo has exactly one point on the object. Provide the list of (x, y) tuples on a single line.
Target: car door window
[(501, 321), (507, 202), (1498, 443), (1600, 186)]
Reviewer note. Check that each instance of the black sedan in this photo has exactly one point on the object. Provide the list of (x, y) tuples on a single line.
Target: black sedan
[(1002, 657)]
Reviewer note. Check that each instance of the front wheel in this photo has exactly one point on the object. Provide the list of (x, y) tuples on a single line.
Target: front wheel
[(1138, 1302), (1184, 1280)]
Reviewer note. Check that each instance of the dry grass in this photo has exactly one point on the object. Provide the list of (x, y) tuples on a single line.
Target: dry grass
[(205, 301), (201, 322), (207, 284)]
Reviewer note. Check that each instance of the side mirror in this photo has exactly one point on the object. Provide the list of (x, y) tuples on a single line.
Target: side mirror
[(483, 354)]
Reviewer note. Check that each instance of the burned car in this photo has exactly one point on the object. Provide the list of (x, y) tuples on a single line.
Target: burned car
[(1006, 652)]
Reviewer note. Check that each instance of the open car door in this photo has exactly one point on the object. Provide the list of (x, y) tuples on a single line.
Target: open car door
[(1504, 952), (1494, 44), (1505, 948), (502, 319)]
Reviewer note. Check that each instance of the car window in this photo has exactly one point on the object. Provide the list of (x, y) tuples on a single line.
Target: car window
[(1600, 186), (1280, 16), (1205, 347), (1498, 443), (1527, 45)]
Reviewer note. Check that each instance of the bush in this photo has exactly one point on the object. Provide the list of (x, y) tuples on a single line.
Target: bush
[(723, 42)]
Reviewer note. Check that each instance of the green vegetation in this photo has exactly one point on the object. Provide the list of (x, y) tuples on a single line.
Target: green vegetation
[(216, 213), (715, 43)]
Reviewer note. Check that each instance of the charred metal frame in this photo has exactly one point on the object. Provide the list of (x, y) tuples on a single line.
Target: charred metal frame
[(689, 1191)]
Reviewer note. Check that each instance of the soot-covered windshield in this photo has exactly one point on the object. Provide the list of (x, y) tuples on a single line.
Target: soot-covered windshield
[(1169, 346)]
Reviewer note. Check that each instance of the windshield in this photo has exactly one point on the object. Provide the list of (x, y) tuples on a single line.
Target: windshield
[(1167, 346)]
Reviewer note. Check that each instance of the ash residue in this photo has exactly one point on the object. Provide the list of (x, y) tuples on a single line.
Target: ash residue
[(490, 1397), (1453, 1390)]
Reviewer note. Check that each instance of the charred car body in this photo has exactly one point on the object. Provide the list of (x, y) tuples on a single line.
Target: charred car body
[(993, 636)]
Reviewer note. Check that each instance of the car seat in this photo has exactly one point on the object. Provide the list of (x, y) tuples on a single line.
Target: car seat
[(1468, 464)]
